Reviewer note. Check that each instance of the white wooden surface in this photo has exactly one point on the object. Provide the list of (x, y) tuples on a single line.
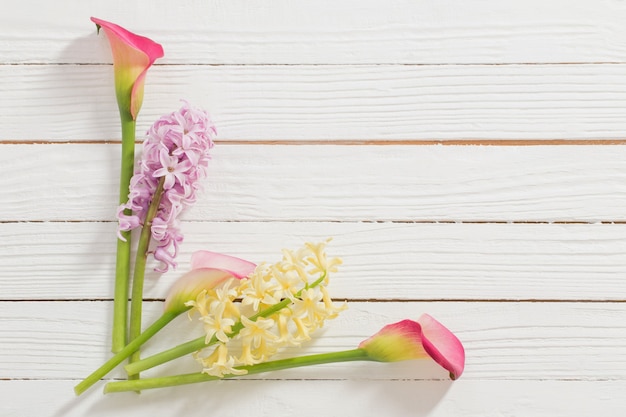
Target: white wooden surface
[(467, 157)]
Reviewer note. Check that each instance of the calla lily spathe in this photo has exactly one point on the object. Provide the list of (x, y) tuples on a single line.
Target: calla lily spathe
[(132, 57), (208, 270), (239, 268), (424, 338)]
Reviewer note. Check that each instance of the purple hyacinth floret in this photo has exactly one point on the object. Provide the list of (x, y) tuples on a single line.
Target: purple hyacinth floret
[(176, 148)]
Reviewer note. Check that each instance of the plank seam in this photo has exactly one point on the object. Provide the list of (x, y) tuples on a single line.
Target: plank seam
[(361, 142), (479, 221), (362, 300), (528, 222), (335, 64)]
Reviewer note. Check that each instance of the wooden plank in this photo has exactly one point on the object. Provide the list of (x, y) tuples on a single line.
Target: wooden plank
[(354, 397), (540, 306), (382, 261), (328, 102), (403, 31), (73, 182), (504, 341)]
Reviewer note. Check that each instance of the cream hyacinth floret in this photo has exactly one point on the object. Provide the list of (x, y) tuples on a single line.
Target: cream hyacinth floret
[(248, 321)]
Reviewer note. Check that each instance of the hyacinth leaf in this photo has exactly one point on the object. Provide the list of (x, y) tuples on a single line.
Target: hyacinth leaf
[(424, 338), (132, 57), (239, 268)]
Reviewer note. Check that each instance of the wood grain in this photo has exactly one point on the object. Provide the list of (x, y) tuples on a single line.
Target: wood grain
[(327, 102), (382, 261), (363, 397), (335, 183), (519, 249), (562, 341), (324, 32)]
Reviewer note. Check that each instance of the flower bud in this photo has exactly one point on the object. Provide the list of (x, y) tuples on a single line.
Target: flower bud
[(424, 338)]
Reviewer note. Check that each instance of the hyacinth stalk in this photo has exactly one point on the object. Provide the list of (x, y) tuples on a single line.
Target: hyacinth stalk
[(405, 340), (132, 57), (140, 268), (175, 158), (281, 304), (214, 270)]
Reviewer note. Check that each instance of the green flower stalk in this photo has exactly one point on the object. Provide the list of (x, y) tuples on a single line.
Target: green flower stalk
[(132, 57), (210, 271), (269, 366), (405, 340)]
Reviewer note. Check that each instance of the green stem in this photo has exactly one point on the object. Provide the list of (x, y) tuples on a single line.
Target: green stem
[(200, 343), (140, 267), (122, 265), (170, 381), (125, 352), (135, 368)]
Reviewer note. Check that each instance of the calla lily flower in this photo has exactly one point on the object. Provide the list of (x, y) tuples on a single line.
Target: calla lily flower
[(132, 57), (208, 270), (407, 339), (424, 338)]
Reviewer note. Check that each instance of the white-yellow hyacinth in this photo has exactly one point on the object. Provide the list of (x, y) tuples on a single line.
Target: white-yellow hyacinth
[(278, 305)]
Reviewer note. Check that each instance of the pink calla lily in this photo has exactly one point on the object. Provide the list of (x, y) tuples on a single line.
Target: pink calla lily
[(208, 270), (132, 57), (424, 338), (407, 339)]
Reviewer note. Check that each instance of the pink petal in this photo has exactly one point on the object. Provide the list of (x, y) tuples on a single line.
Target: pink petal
[(239, 268), (442, 345), (150, 48), (132, 56)]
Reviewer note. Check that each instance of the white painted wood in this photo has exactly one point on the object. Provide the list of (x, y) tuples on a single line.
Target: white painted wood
[(284, 102), (367, 70), (381, 260), (339, 183), (504, 341), (361, 397), (354, 31)]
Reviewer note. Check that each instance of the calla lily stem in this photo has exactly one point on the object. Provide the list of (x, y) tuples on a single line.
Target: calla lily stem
[(171, 381), (122, 266), (125, 352)]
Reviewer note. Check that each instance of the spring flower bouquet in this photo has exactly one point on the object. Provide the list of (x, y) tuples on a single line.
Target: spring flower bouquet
[(249, 312)]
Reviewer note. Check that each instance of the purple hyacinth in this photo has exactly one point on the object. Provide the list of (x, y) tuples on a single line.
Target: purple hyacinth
[(176, 149)]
